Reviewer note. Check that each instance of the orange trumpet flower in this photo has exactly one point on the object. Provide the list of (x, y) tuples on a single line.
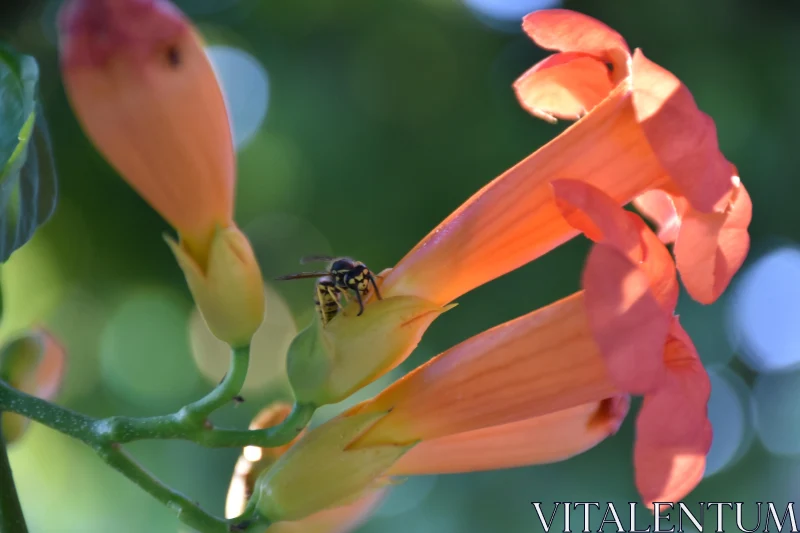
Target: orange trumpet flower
[(639, 137), (554, 383), (145, 92)]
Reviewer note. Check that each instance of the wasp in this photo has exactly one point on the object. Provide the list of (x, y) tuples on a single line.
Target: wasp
[(342, 275)]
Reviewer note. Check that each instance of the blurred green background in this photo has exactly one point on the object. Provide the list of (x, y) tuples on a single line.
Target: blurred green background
[(360, 126)]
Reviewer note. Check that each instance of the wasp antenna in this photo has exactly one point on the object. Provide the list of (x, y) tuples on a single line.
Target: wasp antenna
[(315, 258)]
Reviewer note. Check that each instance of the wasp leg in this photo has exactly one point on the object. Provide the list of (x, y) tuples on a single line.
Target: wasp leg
[(335, 297), (375, 286), (343, 294), (360, 302)]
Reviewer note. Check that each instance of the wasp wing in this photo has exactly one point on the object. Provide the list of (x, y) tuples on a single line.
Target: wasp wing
[(303, 275), (315, 258)]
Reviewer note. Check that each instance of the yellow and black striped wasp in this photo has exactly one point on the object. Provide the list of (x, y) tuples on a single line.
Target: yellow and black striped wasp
[(343, 274)]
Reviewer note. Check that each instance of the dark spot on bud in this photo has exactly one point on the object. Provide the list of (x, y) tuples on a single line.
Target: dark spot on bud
[(610, 67), (238, 399), (173, 56)]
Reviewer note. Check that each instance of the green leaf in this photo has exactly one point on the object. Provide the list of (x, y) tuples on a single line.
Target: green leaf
[(28, 185)]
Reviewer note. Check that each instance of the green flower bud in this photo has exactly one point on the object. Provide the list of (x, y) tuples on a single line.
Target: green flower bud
[(228, 289), (327, 363), (322, 461)]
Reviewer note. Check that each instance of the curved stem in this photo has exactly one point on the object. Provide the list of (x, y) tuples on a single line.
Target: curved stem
[(189, 423), (11, 516), (122, 429), (188, 511), (228, 389)]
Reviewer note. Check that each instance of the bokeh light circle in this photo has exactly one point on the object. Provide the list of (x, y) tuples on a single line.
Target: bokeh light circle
[(245, 84), (506, 15), (777, 417), (268, 348), (729, 412), (144, 352), (763, 311)]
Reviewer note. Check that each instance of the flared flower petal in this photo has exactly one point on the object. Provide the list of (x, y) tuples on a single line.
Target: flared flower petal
[(664, 211), (569, 31), (673, 433), (543, 439), (143, 89), (683, 138), (645, 133), (564, 86), (711, 247), (630, 285), (540, 363)]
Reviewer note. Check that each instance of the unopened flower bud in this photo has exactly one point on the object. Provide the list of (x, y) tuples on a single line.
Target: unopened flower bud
[(322, 460), (326, 364), (137, 75), (228, 289)]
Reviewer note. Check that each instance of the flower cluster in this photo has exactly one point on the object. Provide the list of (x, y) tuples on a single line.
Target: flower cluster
[(541, 388), (555, 382)]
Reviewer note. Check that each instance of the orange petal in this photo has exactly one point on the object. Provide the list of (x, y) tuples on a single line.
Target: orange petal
[(683, 137), (569, 31), (668, 473), (514, 219), (599, 217), (145, 93), (543, 362), (334, 520), (712, 246), (673, 433), (660, 207), (565, 86), (627, 321), (543, 439)]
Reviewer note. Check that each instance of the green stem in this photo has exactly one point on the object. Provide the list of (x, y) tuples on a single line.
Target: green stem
[(227, 390), (188, 511), (189, 423), (12, 520), (122, 429)]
